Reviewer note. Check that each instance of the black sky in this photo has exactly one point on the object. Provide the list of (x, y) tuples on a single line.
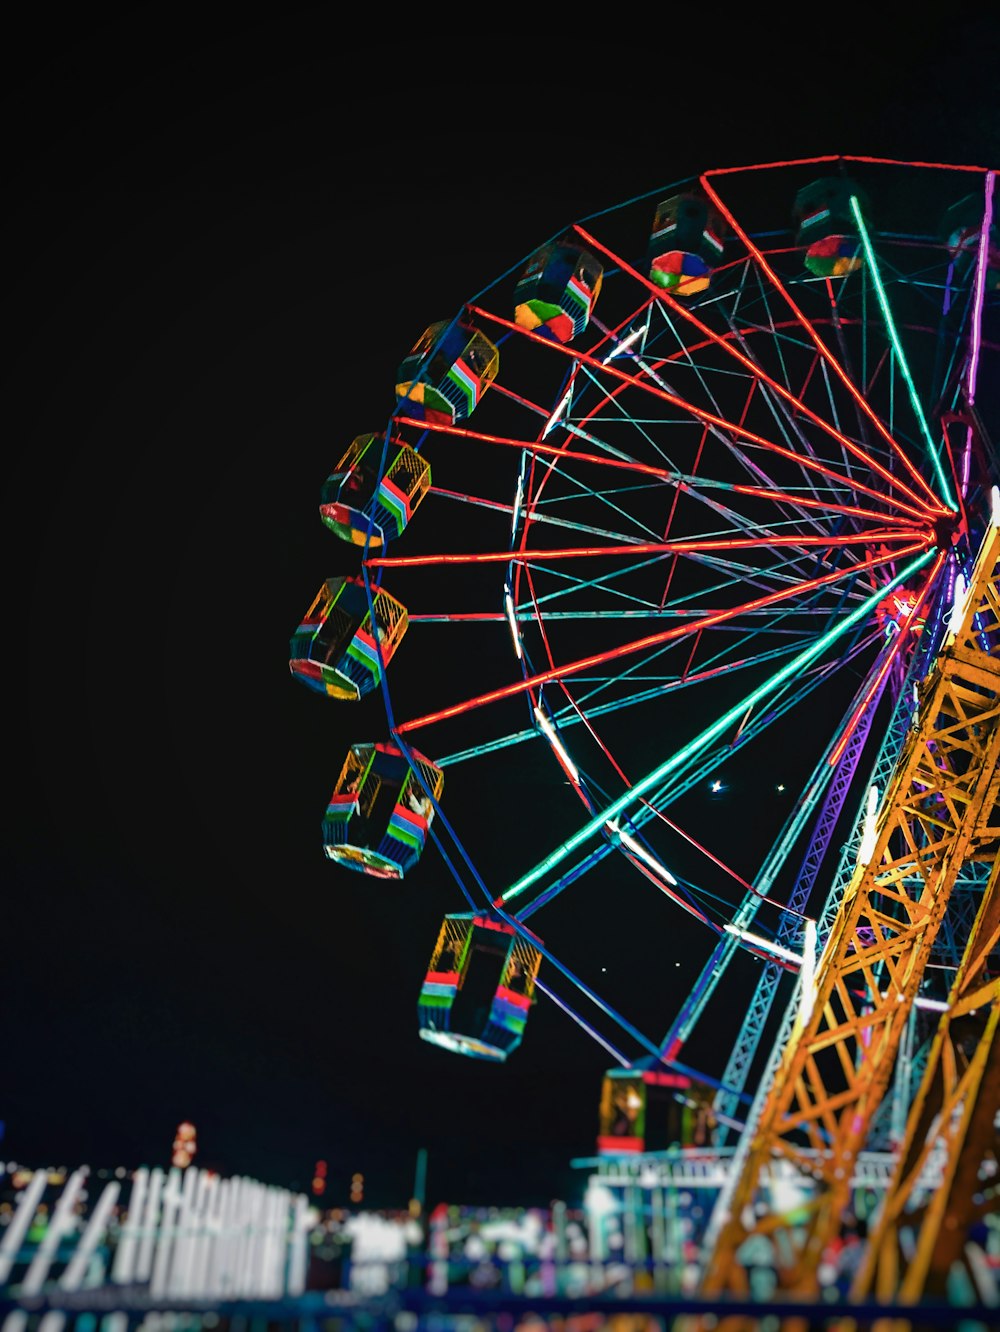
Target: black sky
[(221, 238)]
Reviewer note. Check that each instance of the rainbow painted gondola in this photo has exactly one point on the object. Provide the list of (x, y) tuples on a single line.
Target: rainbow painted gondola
[(826, 226), (449, 369), (379, 814), (359, 503), (487, 1024), (556, 294), (646, 1109), (341, 648), (685, 245)]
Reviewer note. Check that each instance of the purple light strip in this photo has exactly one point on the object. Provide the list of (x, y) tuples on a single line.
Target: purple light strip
[(977, 309)]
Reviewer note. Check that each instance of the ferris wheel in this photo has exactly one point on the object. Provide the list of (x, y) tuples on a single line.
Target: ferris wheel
[(699, 474)]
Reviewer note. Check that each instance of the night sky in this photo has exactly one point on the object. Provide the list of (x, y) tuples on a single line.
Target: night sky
[(220, 242)]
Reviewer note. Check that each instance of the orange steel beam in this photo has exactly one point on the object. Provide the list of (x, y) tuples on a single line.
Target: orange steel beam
[(914, 1243), (939, 811)]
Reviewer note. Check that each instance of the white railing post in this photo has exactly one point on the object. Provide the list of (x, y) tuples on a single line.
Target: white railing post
[(10, 1245), (63, 1220), (123, 1263)]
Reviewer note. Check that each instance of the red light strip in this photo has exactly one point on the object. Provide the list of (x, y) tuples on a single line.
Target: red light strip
[(548, 450), (653, 640), (841, 157), (664, 474), (643, 548), (761, 492)]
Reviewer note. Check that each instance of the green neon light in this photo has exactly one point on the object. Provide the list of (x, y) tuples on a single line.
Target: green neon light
[(897, 347), (793, 667)]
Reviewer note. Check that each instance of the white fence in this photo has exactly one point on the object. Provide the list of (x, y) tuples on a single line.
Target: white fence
[(180, 1235)]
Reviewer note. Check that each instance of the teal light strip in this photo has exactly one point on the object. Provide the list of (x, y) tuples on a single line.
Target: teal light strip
[(897, 348), (652, 779)]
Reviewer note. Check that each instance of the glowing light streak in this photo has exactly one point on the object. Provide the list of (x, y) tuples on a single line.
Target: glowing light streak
[(550, 735), (518, 499), (897, 348), (866, 847), (560, 408), (995, 506), (768, 945), (512, 620), (931, 1005), (956, 615), (625, 343), (667, 635), (656, 777), (807, 973), (637, 849)]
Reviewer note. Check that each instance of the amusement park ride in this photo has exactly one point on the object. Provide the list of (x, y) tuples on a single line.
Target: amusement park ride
[(706, 465)]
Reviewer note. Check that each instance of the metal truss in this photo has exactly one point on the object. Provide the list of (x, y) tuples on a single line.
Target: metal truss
[(939, 813)]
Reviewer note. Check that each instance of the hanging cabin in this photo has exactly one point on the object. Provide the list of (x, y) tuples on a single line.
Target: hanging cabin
[(556, 294), (381, 809), (685, 244), (826, 227), (336, 649), (651, 1110), (360, 503), (479, 987), (447, 372)]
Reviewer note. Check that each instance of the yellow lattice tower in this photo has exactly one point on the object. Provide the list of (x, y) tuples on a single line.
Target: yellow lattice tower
[(939, 812), (951, 1119)]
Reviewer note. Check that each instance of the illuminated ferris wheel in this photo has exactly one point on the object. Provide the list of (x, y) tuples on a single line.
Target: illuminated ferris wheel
[(703, 467)]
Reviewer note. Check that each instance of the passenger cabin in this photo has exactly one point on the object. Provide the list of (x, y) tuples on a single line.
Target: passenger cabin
[(340, 649), (359, 503), (686, 244), (556, 294), (651, 1110), (826, 227), (381, 809), (449, 369), (479, 987)]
